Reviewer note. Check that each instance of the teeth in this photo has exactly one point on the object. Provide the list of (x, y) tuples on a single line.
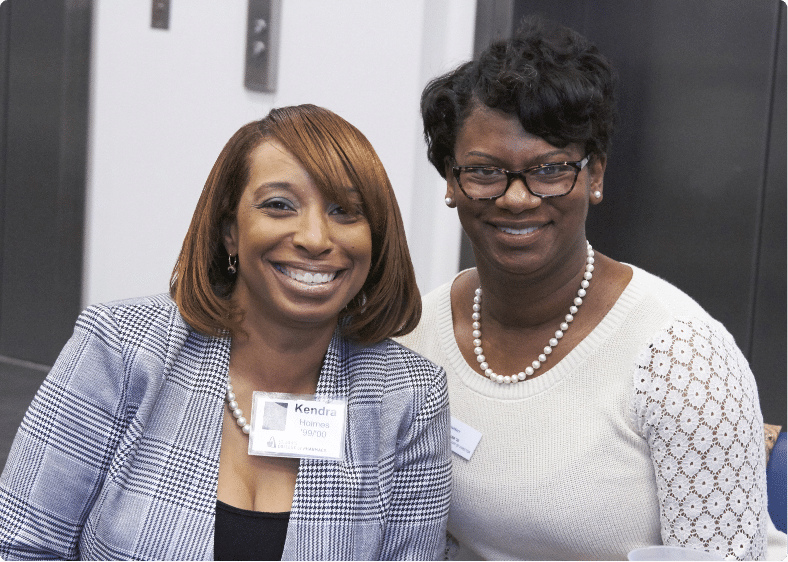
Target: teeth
[(513, 231), (307, 277)]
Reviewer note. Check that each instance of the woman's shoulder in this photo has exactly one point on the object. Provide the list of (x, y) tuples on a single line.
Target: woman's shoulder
[(137, 310), (442, 292), (148, 305), (660, 293), (411, 360), (395, 361), (666, 309), (139, 321), (435, 319), (385, 373)]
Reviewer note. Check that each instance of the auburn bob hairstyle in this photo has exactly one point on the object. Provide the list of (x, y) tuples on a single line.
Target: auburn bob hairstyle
[(332, 151)]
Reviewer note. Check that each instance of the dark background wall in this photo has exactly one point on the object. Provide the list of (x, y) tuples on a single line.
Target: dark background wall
[(44, 86), (695, 188)]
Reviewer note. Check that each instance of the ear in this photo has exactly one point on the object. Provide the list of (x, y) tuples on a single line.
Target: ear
[(596, 172), (230, 231), (451, 184)]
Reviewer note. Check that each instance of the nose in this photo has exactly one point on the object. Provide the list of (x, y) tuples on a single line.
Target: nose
[(517, 198), (313, 233)]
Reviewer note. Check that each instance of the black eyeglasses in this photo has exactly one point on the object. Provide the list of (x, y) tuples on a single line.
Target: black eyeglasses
[(545, 180)]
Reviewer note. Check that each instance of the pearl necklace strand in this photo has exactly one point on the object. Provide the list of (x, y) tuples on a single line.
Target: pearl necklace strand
[(531, 369), (237, 412)]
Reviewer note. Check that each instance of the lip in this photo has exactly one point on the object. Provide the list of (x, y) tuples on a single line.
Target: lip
[(307, 275), (511, 228)]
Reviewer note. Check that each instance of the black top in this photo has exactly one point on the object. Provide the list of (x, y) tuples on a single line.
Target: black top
[(241, 534)]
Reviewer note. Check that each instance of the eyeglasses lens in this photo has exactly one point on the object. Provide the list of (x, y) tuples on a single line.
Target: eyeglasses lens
[(483, 183)]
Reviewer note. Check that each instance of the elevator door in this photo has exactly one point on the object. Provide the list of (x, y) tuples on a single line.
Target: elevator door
[(44, 83)]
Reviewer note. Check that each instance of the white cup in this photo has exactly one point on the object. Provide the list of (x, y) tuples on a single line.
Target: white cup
[(662, 552)]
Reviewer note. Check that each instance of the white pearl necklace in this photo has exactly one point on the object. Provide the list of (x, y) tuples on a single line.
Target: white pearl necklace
[(531, 369), (237, 412)]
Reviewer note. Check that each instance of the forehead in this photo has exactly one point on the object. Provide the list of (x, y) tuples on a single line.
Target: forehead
[(271, 160), (499, 134), (271, 164)]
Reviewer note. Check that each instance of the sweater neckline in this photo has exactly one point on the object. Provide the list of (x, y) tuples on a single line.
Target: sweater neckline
[(526, 389)]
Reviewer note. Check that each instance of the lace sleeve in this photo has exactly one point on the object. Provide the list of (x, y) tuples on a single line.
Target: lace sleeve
[(696, 404)]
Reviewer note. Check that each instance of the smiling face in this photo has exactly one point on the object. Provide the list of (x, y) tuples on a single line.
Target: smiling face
[(520, 233), (301, 257)]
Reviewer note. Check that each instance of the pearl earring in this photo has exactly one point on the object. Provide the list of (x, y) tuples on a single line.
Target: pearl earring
[(449, 201), (597, 194)]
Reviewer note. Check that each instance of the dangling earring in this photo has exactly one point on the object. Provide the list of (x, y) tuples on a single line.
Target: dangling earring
[(449, 202), (597, 194), (233, 261)]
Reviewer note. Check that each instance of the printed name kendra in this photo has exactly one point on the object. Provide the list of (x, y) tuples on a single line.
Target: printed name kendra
[(322, 411)]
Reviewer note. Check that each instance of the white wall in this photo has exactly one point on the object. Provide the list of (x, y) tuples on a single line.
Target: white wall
[(164, 102)]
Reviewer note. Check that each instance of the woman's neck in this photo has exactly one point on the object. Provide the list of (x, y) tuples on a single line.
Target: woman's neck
[(514, 300), (273, 358)]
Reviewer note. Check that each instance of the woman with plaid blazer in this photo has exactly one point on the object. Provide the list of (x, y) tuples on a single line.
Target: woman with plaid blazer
[(292, 277)]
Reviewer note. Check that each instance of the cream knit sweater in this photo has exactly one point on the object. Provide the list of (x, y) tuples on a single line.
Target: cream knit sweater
[(648, 432)]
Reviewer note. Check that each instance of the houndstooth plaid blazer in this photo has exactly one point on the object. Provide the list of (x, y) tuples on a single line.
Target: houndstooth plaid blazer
[(118, 454)]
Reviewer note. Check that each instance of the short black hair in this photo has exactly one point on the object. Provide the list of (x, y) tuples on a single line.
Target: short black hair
[(557, 82)]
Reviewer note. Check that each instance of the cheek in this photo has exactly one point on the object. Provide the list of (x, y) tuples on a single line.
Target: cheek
[(586, 186), (366, 247), (573, 208), (469, 213), (245, 225), (361, 252), (360, 243)]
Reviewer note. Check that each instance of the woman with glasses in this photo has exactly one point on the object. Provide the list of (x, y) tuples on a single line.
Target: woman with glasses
[(258, 411), (596, 408)]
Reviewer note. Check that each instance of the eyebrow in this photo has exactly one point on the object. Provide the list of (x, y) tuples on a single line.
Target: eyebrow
[(272, 185), (544, 156), (351, 190)]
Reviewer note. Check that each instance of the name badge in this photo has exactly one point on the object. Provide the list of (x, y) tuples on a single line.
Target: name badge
[(464, 438), (297, 425)]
